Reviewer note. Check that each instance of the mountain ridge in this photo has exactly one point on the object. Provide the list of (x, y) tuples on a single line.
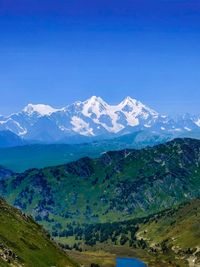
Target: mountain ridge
[(118, 185)]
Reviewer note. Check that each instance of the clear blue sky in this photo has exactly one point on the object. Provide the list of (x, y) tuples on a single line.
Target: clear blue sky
[(59, 51)]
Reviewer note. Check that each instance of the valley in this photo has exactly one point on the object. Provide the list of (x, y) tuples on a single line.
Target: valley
[(155, 240), (99, 133), (168, 238), (140, 203)]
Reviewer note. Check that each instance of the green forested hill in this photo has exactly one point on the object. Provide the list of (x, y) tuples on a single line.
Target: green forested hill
[(24, 243), (115, 187)]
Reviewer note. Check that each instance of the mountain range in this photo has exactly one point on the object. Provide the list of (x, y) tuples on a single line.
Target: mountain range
[(94, 119), (118, 185), (124, 198)]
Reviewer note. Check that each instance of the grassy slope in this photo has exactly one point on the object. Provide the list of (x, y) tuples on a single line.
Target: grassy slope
[(28, 241), (180, 228)]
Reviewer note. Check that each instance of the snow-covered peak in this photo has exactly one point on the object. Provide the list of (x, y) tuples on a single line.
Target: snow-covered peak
[(95, 100), (41, 109), (130, 102), (132, 105), (94, 105)]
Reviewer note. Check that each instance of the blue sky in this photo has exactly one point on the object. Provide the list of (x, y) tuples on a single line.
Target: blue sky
[(60, 51)]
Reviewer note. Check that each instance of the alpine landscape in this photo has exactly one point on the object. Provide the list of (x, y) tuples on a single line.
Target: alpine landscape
[(99, 133)]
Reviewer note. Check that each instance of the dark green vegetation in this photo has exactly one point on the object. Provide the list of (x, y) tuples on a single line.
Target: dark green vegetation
[(25, 157), (172, 236), (126, 202), (115, 187), (25, 243)]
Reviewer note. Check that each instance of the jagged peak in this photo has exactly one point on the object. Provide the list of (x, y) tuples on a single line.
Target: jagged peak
[(136, 106), (95, 100), (130, 101)]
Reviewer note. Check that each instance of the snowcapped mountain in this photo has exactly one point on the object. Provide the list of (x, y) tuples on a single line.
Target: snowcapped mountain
[(40, 109), (93, 118)]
